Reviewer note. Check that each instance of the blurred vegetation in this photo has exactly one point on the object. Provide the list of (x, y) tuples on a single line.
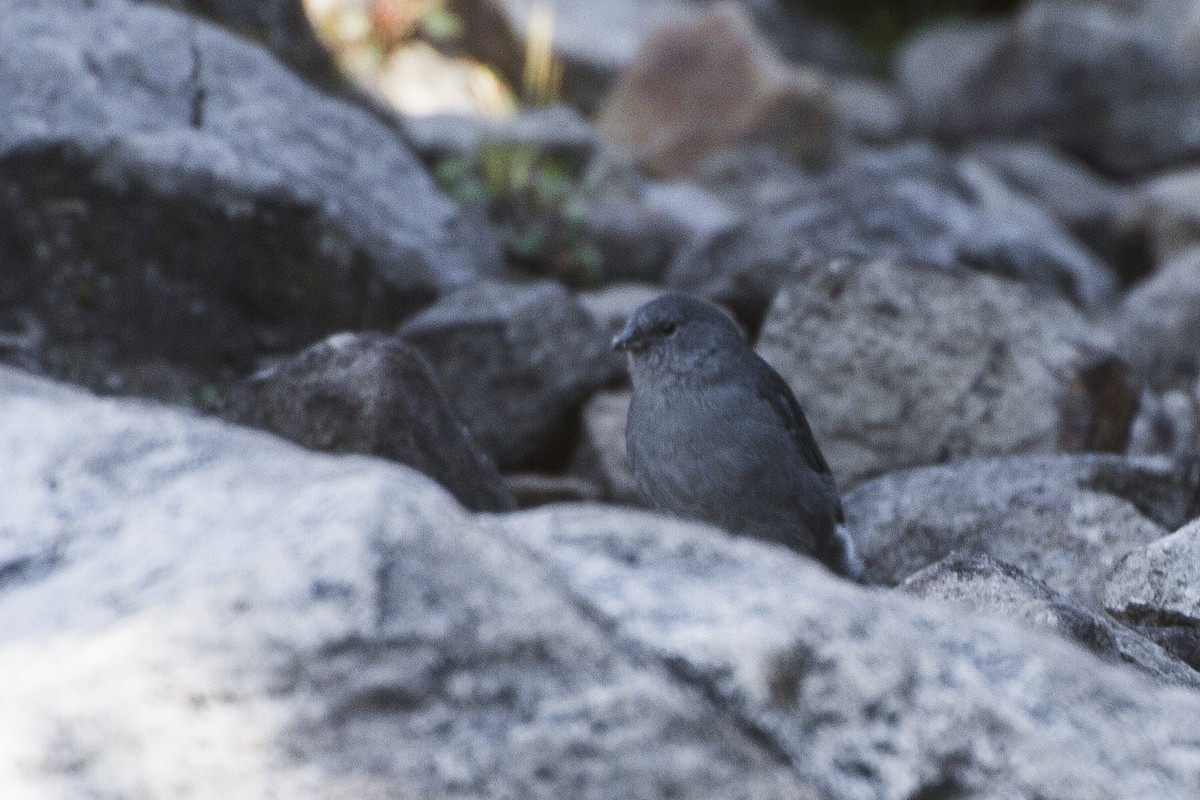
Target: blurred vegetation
[(537, 203)]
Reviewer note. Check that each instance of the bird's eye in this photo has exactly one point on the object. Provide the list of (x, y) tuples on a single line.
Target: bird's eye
[(670, 328)]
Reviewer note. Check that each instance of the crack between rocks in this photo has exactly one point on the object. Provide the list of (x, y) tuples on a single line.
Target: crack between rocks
[(199, 93), (677, 668)]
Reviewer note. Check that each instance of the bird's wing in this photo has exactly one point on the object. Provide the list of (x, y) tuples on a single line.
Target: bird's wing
[(774, 389)]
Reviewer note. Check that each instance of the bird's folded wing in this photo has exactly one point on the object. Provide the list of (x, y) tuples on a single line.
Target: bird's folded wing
[(774, 389)]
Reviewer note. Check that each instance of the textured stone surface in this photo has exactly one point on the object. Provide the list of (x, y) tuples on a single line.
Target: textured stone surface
[(602, 456), (517, 360), (914, 203), (1064, 520), (266, 213), (193, 610), (996, 589), (1159, 583), (1091, 78), (1158, 324), (900, 366), (869, 694), (703, 85), (372, 394)]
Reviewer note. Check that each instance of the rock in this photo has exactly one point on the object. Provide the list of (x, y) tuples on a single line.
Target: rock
[(869, 110), (710, 83), (1167, 423), (558, 132), (1165, 212), (696, 211), (540, 488), (611, 306), (1156, 589), (283, 27), (868, 694), (1158, 325), (190, 609), (901, 366), (803, 36), (372, 394), (601, 457), (517, 360), (1181, 641), (911, 202), (941, 58), (1159, 584), (1064, 520), (512, 34), (260, 224), (1091, 79), (1087, 203), (996, 589)]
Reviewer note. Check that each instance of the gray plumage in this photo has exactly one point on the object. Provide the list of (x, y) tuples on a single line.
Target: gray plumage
[(715, 434)]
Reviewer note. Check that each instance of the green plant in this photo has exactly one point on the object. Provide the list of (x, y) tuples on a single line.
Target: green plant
[(537, 203)]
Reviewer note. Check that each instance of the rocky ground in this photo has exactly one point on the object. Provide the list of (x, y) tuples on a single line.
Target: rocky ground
[(979, 272)]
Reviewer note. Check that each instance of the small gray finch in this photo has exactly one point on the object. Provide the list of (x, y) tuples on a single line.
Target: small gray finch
[(715, 434)]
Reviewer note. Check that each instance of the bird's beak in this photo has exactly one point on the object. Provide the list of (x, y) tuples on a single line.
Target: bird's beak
[(628, 341)]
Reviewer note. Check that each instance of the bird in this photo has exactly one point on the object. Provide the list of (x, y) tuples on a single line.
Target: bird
[(715, 434)]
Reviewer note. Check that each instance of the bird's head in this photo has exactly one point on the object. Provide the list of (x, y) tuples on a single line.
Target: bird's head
[(678, 337)]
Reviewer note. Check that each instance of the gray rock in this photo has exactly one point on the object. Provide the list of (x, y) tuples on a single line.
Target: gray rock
[(1165, 212), (1158, 324), (901, 366), (601, 456), (1156, 589), (996, 589), (1167, 423), (869, 694), (372, 394), (1086, 202), (541, 488), (912, 202), (517, 360), (1088, 77), (1064, 520), (190, 609), (266, 213), (940, 59), (870, 111), (711, 83), (611, 306), (1159, 584), (556, 131)]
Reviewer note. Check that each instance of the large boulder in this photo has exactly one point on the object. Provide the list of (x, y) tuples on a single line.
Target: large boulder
[(912, 202), (517, 360), (711, 83), (170, 190), (1064, 520), (190, 609), (1092, 78), (372, 394), (868, 694), (996, 589), (898, 366)]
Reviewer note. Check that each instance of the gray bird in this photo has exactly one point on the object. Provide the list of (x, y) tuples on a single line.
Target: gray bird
[(715, 434)]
